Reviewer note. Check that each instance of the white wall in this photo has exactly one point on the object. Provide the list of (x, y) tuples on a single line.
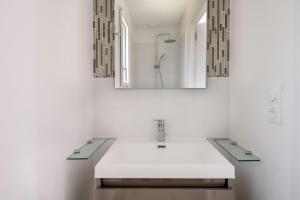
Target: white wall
[(188, 113), (296, 154), (17, 103), (262, 56), (46, 98)]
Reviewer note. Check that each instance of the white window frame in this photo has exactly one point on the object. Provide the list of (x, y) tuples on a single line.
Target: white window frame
[(124, 53)]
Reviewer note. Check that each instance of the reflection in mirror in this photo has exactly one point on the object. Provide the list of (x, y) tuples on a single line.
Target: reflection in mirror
[(160, 43)]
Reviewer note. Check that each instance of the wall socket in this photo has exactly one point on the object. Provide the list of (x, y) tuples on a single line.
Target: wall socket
[(274, 108)]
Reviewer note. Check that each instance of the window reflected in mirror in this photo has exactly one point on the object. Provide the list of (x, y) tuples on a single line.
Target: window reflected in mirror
[(124, 53)]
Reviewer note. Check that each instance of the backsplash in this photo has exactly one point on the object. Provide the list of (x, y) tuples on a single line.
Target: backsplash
[(129, 114), (217, 46), (218, 33), (103, 28)]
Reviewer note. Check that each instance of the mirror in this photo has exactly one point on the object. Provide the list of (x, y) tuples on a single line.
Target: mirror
[(160, 44)]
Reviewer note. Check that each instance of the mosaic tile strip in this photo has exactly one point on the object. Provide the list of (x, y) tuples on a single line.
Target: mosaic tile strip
[(218, 18), (103, 23)]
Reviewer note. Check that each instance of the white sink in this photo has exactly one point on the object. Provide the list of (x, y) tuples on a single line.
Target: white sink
[(181, 160)]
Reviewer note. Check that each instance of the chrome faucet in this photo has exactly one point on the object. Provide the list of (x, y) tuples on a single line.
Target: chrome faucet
[(161, 135)]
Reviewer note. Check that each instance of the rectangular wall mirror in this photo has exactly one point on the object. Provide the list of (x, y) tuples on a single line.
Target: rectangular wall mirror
[(160, 44)]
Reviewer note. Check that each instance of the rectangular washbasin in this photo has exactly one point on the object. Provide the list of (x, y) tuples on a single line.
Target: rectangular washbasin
[(178, 160)]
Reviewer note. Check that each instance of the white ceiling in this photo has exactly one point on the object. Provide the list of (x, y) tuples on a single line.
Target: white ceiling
[(156, 12)]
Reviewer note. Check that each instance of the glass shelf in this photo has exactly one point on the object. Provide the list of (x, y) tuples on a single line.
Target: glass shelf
[(87, 150), (233, 149)]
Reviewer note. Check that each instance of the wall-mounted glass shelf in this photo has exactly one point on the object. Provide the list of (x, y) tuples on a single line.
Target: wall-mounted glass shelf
[(87, 150), (233, 149)]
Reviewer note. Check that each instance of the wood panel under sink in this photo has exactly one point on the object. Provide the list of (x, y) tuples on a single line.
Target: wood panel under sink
[(164, 189), (164, 183)]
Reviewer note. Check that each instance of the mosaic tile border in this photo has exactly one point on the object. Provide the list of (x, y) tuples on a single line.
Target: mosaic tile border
[(218, 40), (104, 39)]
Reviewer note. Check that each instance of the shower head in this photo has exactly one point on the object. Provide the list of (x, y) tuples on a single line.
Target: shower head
[(170, 41)]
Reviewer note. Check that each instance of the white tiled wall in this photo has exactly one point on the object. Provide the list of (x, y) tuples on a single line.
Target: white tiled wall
[(188, 113)]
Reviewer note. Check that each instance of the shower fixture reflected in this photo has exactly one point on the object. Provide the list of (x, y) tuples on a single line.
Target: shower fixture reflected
[(158, 60), (157, 64)]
